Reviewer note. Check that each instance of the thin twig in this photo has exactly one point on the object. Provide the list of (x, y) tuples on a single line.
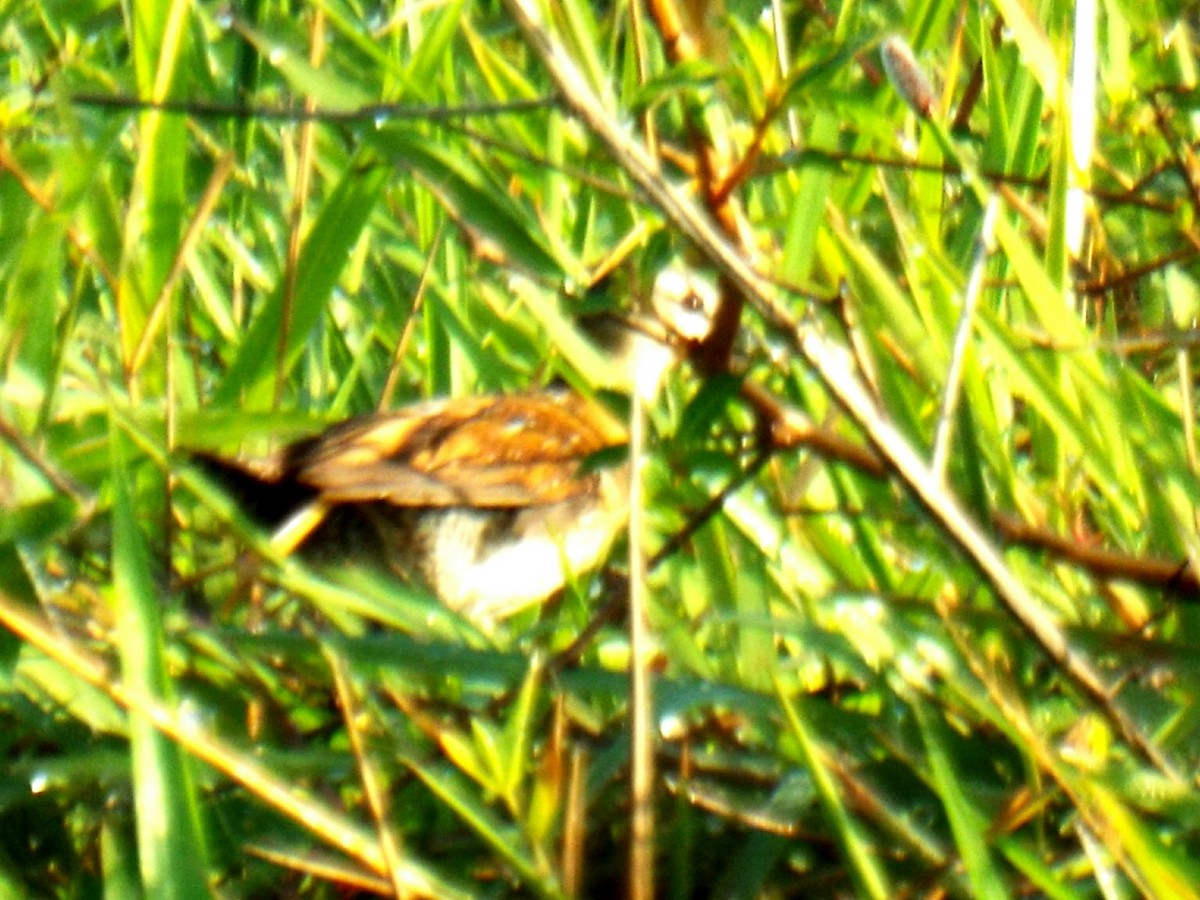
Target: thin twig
[(162, 304), (393, 375), (642, 733), (60, 481), (700, 517), (962, 336), (304, 166), (82, 241), (370, 777), (1175, 577), (370, 114)]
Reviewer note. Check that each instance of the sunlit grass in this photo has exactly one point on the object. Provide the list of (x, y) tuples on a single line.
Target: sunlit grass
[(844, 704)]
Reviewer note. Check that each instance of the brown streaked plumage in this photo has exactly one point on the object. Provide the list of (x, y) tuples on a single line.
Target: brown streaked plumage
[(491, 451), (489, 501)]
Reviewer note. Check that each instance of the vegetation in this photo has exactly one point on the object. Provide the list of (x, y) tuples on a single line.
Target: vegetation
[(935, 638)]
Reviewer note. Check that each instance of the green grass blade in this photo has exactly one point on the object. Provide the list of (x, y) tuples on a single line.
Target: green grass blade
[(966, 822), (337, 228), (170, 846), (861, 858)]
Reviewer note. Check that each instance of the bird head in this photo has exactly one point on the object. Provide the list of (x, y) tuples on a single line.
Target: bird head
[(642, 346)]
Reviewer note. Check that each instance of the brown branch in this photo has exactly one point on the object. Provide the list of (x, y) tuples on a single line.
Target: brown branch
[(82, 241), (1126, 278), (1177, 578), (1186, 163), (712, 355), (789, 429), (60, 481)]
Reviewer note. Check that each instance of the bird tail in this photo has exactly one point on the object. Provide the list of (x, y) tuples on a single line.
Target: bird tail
[(267, 501)]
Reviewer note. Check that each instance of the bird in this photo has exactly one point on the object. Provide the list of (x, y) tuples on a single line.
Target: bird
[(491, 502)]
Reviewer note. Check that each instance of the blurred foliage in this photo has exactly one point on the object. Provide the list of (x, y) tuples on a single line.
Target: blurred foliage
[(844, 706)]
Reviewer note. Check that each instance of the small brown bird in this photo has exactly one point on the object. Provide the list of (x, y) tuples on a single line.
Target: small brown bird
[(491, 501)]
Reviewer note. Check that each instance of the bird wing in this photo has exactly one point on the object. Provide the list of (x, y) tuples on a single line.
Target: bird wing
[(500, 451)]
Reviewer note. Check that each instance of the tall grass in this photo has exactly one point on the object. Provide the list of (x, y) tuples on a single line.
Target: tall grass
[(872, 675)]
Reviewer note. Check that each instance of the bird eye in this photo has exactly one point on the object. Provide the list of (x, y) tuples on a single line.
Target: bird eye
[(692, 302)]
